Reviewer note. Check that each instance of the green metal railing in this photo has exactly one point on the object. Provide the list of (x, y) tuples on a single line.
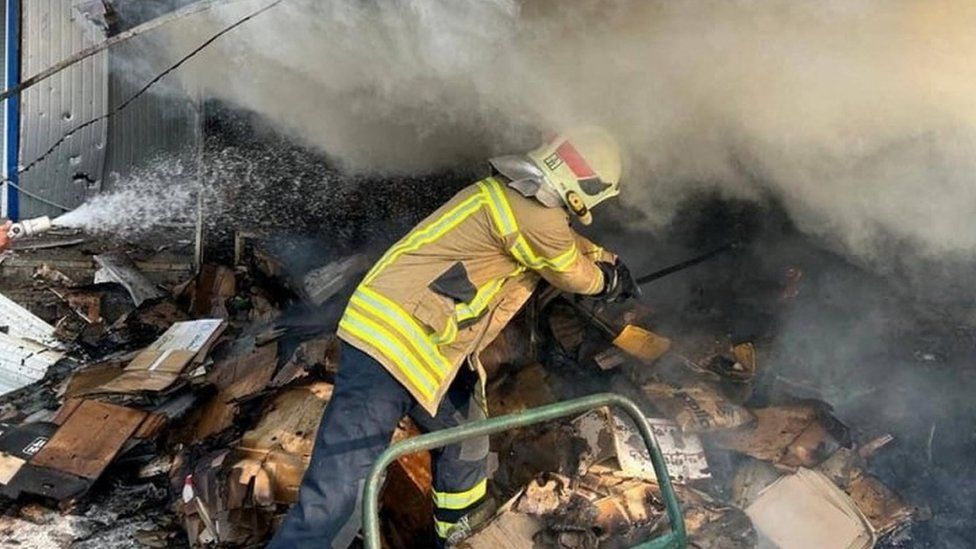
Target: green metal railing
[(676, 538)]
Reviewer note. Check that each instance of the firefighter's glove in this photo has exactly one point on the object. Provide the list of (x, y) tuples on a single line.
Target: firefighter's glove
[(618, 283)]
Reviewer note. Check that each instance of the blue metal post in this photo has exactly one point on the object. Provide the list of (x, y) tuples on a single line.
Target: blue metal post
[(12, 108)]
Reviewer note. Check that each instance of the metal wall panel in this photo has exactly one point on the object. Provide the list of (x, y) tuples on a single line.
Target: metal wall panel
[(53, 30), (19, 322), (161, 125), (23, 362)]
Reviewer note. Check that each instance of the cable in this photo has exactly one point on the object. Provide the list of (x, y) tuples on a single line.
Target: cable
[(128, 102), (144, 89), (35, 196), (185, 11)]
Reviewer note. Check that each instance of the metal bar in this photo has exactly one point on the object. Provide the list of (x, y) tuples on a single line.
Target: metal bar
[(198, 235), (686, 264), (12, 108), (676, 538), (591, 317)]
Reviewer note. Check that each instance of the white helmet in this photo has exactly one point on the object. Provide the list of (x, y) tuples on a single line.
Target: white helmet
[(580, 169)]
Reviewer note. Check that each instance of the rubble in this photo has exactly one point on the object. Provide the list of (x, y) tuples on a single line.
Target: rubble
[(247, 371), (161, 364), (18, 322), (698, 407), (788, 436), (605, 508), (88, 437), (321, 284), (120, 269), (23, 362), (28, 346), (205, 404), (211, 289), (609, 435), (805, 509), (275, 454), (321, 353)]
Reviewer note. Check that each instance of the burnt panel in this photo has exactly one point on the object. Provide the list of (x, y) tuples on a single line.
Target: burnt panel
[(89, 439)]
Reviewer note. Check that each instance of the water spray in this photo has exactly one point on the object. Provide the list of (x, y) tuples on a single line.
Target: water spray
[(30, 227)]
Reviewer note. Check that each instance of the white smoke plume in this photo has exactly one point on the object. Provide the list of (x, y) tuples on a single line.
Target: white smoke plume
[(857, 114)]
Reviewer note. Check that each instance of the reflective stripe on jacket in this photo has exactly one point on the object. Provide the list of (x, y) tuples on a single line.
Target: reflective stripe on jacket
[(446, 289)]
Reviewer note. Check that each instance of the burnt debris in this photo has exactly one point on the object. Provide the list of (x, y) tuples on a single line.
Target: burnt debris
[(169, 408)]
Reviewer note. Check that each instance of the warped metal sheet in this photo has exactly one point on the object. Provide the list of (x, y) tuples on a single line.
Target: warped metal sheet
[(20, 323), (23, 362), (117, 267)]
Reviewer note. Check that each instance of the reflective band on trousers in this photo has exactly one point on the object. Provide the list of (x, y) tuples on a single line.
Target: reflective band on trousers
[(443, 528), (461, 500)]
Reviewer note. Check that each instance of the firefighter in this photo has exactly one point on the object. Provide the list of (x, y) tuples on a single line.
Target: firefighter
[(413, 328), (4, 238)]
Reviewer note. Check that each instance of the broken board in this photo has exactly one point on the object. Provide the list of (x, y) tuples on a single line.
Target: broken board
[(235, 377), (89, 438), (18, 443), (282, 441)]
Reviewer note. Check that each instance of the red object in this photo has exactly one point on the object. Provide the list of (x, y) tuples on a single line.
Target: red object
[(188, 488), (568, 153)]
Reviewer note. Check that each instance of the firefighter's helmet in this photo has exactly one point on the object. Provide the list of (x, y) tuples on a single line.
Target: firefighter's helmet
[(583, 166)]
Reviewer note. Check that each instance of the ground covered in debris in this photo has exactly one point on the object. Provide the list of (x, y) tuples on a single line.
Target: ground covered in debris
[(796, 396)]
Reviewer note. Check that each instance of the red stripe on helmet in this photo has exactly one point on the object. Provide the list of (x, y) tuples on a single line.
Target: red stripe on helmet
[(575, 161)]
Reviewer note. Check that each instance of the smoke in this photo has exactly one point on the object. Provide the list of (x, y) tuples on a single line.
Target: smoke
[(856, 114)]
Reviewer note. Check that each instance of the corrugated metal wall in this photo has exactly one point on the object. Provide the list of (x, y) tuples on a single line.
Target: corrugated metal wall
[(53, 30), (163, 123)]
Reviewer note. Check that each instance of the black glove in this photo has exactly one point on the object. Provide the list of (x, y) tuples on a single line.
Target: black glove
[(619, 284)]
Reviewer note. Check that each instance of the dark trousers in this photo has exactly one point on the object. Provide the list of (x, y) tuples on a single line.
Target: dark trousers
[(366, 406)]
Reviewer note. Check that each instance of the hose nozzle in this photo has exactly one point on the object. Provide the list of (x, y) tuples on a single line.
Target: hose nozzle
[(30, 227)]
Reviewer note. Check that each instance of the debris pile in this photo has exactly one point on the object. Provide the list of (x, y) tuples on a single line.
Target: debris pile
[(188, 412)]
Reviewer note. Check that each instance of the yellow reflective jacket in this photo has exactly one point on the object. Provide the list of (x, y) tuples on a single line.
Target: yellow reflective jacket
[(446, 289)]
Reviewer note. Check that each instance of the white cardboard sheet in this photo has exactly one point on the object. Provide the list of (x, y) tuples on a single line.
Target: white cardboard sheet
[(683, 452), (806, 510)]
